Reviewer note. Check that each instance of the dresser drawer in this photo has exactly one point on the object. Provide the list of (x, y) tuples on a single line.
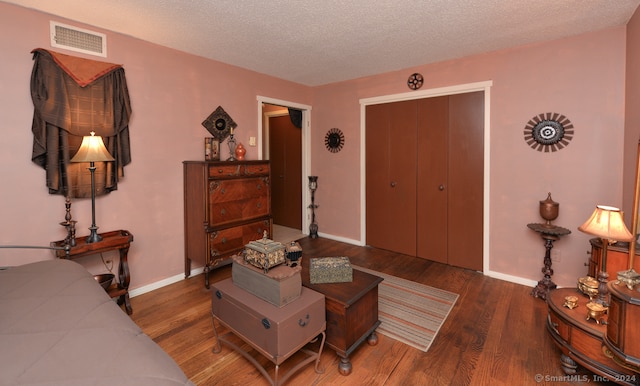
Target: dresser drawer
[(230, 190), (228, 212), (226, 242), (240, 199), (236, 170), (559, 326)]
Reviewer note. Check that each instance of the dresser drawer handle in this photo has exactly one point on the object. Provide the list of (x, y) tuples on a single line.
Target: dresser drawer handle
[(259, 205), (553, 325), (266, 324), (223, 212), (218, 294), (303, 323), (224, 240), (220, 171)]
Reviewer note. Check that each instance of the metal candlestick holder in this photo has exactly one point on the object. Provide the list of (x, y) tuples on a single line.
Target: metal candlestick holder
[(313, 227), (232, 148), (69, 224)]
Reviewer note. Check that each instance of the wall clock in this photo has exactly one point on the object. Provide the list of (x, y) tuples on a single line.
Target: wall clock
[(219, 124), (415, 81), (548, 132), (334, 140)]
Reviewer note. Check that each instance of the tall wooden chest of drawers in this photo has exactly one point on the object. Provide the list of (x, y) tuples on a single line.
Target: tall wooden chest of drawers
[(226, 205)]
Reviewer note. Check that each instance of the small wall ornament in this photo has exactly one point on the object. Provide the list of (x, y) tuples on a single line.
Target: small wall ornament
[(334, 140), (415, 81), (548, 132), (219, 124)]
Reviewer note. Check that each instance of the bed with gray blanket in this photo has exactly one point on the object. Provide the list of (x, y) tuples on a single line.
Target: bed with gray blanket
[(58, 326)]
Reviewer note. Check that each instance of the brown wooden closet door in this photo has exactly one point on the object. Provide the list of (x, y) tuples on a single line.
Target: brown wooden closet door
[(432, 179), (391, 176), (466, 180), (285, 155)]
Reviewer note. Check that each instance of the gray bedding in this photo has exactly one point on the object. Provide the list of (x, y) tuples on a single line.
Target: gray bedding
[(59, 327)]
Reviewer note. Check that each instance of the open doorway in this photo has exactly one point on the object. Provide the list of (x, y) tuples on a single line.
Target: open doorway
[(285, 144)]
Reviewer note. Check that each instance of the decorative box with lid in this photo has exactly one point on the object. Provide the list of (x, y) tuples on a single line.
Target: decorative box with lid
[(264, 253)]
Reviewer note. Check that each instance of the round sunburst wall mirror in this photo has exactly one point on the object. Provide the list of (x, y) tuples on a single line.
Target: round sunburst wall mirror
[(334, 140), (548, 132)]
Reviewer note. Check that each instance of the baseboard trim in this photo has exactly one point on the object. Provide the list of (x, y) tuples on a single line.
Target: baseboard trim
[(511, 278), (162, 283)]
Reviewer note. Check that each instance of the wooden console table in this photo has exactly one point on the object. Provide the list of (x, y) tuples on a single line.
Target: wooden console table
[(111, 241), (352, 312), (582, 341)]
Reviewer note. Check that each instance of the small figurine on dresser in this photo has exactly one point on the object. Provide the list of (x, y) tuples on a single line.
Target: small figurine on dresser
[(293, 253)]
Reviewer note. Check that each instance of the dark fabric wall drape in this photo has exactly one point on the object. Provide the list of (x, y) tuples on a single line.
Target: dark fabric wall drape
[(69, 105), (296, 117)]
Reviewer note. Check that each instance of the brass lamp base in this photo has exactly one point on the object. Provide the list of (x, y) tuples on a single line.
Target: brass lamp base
[(630, 278)]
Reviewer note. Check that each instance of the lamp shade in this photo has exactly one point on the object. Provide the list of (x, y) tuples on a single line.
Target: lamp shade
[(607, 222), (92, 149)]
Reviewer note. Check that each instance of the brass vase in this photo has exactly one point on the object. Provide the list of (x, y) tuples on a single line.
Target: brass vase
[(549, 210)]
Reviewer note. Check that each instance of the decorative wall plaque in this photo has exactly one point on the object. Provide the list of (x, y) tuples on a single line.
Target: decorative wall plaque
[(334, 140), (415, 81), (548, 132), (219, 124)]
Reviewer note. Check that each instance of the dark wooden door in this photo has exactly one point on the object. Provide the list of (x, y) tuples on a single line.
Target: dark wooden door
[(285, 155), (442, 152), (391, 176)]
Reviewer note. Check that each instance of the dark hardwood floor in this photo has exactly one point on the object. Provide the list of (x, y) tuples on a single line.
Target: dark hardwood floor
[(495, 334)]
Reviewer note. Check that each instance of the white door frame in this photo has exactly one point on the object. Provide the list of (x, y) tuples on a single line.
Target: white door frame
[(306, 149), (451, 90)]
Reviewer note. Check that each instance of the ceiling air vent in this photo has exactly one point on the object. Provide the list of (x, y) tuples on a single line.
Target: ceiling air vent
[(78, 39)]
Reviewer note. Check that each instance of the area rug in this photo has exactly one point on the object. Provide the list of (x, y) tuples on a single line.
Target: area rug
[(411, 312)]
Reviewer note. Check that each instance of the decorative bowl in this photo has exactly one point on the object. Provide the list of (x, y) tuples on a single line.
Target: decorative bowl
[(595, 311), (104, 279)]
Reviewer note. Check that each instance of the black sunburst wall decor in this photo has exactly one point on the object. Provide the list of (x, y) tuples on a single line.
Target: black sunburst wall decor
[(548, 132)]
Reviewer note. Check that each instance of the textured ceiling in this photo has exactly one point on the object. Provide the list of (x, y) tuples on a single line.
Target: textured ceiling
[(315, 42)]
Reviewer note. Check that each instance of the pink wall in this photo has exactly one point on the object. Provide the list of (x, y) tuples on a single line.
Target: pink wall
[(581, 77), (172, 92)]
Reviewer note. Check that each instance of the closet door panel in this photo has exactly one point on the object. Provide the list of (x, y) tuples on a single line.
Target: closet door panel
[(390, 176), (402, 182), (466, 180), (432, 178), (377, 173)]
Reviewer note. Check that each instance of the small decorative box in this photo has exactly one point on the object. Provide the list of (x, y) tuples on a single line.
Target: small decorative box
[(330, 270), (264, 253), (293, 252)]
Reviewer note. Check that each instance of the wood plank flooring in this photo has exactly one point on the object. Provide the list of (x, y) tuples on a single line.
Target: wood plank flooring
[(495, 334)]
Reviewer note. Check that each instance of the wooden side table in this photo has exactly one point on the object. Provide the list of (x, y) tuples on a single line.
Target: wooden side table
[(549, 234), (119, 240)]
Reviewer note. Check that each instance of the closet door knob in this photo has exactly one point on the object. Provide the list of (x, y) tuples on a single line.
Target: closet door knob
[(441, 187), (393, 184)]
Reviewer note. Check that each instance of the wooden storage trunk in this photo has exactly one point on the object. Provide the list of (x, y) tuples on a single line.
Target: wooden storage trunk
[(264, 253), (276, 332), (279, 286), (330, 270)]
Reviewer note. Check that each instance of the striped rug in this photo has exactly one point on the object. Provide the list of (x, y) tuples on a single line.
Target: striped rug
[(411, 312)]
